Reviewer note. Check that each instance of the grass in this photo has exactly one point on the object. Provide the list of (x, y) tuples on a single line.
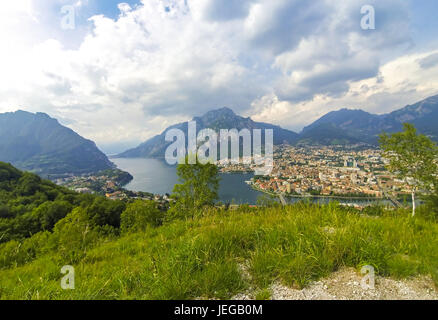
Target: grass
[(200, 258)]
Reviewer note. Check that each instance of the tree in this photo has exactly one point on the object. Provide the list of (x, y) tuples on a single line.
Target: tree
[(49, 213), (412, 157), (106, 212), (199, 188), (28, 184)]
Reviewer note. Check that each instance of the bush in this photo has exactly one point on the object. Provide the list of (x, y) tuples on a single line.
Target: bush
[(28, 184), (374, 210), (140, 215), (14, 253), (4, 212), (432, 207), (49, 213), (73, 236), (106, 212), (266, 200), (9, 254)]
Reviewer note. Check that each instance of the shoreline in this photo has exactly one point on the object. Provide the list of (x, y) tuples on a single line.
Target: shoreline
[(319, 196)]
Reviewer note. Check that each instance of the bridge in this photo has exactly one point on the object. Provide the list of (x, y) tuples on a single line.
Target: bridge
[(282, 199), (389, 196)]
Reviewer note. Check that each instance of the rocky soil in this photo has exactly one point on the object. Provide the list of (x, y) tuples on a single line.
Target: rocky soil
[(346, 285)]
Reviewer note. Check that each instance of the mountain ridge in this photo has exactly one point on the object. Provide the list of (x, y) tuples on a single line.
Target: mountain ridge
[(341, 127), (365, 126), (223, 118), (38, 143)]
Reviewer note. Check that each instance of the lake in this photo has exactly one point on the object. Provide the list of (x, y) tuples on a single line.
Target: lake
[(157, 177)]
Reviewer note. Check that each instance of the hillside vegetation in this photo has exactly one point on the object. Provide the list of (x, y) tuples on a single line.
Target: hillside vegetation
[(203, 257), (135, 249), (29, 204)]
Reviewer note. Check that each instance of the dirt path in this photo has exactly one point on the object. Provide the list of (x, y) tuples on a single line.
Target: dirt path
[(346, 285)]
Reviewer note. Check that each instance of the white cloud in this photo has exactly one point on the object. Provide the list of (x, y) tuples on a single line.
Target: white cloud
[(400, 82), (165, 61)]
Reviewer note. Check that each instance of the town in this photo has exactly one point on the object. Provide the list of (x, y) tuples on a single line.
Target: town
[(346, 172), (109, 183), (356, 171)]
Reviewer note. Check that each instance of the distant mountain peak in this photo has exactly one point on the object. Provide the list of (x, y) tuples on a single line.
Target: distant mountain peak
[(23, 113), (44, 115), (217, 113), (349, 111), (224, 110), (365, 126), (36, 142), (223, 118)]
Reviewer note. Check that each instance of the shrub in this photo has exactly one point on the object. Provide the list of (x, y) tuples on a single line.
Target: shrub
[(374, 210), (49, 213), (14, 253), (4, 212), (73, 236), (105, 212), (140, 215), (431, 207)]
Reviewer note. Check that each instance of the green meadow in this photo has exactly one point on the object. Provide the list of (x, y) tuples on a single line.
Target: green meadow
[(202, 257)]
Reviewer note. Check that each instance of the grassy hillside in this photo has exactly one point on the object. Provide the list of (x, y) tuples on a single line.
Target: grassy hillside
[(203, 257), (29, 205)]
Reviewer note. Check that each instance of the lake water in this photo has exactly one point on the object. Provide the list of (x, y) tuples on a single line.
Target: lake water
[(155, 176)]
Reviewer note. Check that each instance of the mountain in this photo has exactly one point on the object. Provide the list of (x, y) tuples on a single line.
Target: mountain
[(365, 127), (38, 143), (423, 115), (223, 118), (326, 134)]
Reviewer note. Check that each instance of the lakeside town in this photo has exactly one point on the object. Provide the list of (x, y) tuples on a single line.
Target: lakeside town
[(356, 171), (109, 183), (346, 172)]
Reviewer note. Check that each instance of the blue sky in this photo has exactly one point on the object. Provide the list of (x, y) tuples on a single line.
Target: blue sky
[(108, 7), (127, 72), (425, 21)]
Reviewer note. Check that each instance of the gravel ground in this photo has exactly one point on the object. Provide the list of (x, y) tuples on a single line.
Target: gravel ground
[(346, 285)]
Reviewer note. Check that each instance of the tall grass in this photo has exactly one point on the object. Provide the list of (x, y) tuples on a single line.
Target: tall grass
[(202, 258)]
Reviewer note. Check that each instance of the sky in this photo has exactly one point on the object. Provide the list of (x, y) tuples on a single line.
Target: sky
[(127, 70)]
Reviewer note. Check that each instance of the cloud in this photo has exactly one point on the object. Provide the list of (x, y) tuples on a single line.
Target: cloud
[(277, 26), (429, 61), (398, 83), (222, 10), (340, 51), (125, 79)]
